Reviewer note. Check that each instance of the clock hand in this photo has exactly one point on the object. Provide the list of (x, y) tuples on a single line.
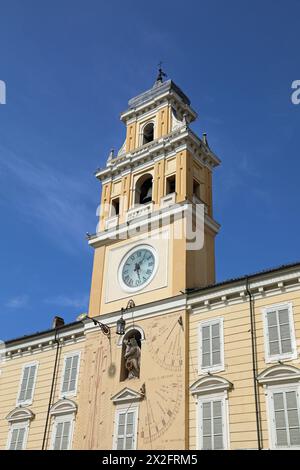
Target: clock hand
[(137, 269)]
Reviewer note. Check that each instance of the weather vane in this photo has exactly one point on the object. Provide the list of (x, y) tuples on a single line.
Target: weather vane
[(161, 74)]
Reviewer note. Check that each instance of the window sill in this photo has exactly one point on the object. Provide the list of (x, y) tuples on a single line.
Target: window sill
[(24, 403), (213, 369), (68, 394), (283, 358)]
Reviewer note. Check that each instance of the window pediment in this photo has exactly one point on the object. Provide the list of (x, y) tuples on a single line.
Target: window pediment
[(210, 384), (20, 414), (63, 406), (279, 374), (127, 395)]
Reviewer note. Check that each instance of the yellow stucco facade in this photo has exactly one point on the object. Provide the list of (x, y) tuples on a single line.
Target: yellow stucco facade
[(210, 365)]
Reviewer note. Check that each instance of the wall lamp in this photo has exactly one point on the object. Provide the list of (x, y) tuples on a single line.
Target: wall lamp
[(121, 322)]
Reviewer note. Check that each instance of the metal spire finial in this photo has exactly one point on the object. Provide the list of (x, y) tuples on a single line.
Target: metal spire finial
[(161, 74)]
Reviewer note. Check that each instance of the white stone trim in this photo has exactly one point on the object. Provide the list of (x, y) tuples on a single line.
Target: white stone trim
[(20, 414), (127, 330), (158, 308), (209, 385), (127, 395), (63, 407), (44, 341), (278, 374)]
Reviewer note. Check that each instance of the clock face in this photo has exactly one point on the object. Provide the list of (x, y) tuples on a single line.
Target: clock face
[(138, 268)]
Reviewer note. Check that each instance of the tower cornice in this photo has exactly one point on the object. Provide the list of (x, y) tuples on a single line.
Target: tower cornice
[(180, 139)]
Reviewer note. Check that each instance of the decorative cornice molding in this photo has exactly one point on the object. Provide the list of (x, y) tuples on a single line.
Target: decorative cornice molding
[(265, 285), (20, 414), (210, 384), (278, 374), (181, 138), (35, 344)]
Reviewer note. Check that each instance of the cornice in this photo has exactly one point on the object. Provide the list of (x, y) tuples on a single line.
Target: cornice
[(153, 309), (215, 297), (124, 231), (180, 139), (41, 342)]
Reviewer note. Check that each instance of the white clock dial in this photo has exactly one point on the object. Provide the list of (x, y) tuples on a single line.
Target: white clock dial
[(138, 268)]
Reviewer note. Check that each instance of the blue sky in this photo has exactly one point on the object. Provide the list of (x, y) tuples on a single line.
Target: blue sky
[(70, 67)]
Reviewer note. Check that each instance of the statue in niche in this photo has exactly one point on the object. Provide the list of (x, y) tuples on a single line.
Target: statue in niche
[(132, 358)]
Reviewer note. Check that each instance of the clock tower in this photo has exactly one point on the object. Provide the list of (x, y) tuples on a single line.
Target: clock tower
[(155, 242), (160, 175)]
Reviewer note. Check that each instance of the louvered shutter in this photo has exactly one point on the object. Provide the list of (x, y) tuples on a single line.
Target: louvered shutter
[(211, 345), (70, 374), (279, 332), (27, 383), (62, 435), (125, 439), (212, 426), (286, 417), (17, 439)]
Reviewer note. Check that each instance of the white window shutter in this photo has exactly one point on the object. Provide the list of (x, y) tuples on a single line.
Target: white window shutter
[(70, 374), (286, 418), (273, 333), (212, 424), (62, 435), (279, 332), (285, 331), (27, 383), (211, 344), (126, 429), (216, 344), (17, 438)]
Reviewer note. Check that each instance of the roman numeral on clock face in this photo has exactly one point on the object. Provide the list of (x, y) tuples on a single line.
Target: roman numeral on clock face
[(138, 267)]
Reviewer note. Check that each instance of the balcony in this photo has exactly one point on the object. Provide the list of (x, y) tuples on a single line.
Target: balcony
[(111, 222), (139, 211)]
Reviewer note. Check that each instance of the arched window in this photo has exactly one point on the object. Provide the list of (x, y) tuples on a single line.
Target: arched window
[(131, 354), (148, 133), (143, 189)]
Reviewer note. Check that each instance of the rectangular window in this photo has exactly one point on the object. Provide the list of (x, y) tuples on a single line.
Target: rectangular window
[(279, 329), (70, 374), (125, 429), (211, 354), (171, 184), (27, 384), (196, 189), (17, 437), (62, 432), (212, 423), (285, 418), (115, 207)]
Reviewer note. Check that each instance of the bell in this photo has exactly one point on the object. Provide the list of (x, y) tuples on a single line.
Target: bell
[(120, 326), (147, 197)]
